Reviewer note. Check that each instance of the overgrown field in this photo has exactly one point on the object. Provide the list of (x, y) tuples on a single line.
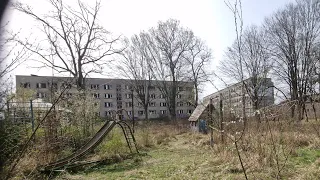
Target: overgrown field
[(169, 151)]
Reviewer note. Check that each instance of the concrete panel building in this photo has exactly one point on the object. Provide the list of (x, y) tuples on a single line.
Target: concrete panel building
[(231, 98), (115, 94)]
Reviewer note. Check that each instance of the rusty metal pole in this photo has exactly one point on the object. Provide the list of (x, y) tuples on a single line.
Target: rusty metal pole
[(211, 122)]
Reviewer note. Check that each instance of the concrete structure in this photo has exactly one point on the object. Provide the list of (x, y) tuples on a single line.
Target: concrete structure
[(114, 94), (232, 100)]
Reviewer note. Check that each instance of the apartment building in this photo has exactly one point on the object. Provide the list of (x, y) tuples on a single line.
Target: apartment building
[(114, 94), (231, 98)]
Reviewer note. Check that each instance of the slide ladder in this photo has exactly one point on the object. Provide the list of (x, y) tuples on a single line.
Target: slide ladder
[(129, 136)]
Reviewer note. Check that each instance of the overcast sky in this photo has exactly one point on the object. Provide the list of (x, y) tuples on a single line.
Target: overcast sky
[(211, 20)]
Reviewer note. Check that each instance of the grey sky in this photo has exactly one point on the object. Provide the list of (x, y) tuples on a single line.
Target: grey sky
[(211, 20)]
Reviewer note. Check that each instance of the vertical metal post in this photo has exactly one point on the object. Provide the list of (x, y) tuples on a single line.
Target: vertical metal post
[(132, 110), (211, 121), (8, 110), (221, 118), (32, 117)]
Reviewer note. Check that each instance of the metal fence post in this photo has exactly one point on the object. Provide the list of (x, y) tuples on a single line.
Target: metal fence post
[(32, 117)]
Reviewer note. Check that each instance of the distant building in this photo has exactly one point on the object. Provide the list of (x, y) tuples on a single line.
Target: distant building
[(232, 99), (114, 94)]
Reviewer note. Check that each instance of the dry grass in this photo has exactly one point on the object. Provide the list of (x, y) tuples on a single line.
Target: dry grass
[(269, 150)]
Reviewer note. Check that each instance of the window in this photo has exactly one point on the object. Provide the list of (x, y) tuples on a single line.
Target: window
[(94, 86), (107, 104), (53, 86), (152, 88), (128, 104), (107, 96), (180, 111), (163, 104), (96, 95), (152, 111), (152, 104), (128, 96), (180, 88), (68, 94), (129, 113), (41, 85), (119, 98), (108, 113), (190, 112), (162, 96), (179, 103), (25, 85), (119, 105), (189, 104), (107, 86), (179, 96), (127, 87), (140, 113), (41, 95), (118, 87), (153, 96), (140, 89), (163, 111)]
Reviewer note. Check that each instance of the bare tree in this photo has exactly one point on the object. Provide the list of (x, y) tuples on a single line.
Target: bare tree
[(10, 58), (136, 68), (198, 58), (256, 63), (293, 33), (73, 41), (167, 44), (236, 9)]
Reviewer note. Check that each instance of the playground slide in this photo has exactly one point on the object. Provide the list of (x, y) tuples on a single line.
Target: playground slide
[(91, 144), (199, 110)]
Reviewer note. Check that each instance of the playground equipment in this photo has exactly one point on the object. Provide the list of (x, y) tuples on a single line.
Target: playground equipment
[(23, 112), (93, 143)]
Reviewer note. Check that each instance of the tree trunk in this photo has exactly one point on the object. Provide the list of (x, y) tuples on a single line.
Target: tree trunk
[(173, 95), (146, 111), (80, 79), (197, 95)]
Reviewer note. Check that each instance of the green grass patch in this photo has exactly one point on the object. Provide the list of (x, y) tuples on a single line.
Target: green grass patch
[(305, 156)]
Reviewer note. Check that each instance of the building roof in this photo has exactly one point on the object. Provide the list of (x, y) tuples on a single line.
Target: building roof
[(36, 104)]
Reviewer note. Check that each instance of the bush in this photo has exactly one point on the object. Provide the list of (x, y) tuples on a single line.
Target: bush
[(12, 137)]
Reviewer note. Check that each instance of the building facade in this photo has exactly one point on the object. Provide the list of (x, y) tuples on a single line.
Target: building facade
[(232, 97), (114, 94)]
